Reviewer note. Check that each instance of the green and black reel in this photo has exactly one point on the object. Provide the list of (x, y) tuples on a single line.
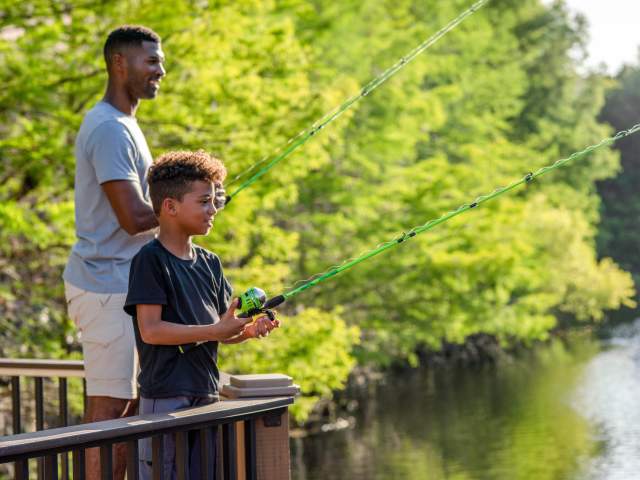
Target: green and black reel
[(254, 302), (250, 302)]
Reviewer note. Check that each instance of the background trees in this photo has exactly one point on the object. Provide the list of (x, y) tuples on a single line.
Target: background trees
[(496, 98), (620, 229)]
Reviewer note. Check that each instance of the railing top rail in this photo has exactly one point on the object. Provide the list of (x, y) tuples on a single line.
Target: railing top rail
[(31, 367), (29, 445)]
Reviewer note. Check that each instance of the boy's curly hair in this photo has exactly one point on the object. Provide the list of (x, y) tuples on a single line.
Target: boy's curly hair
[(172, 174)]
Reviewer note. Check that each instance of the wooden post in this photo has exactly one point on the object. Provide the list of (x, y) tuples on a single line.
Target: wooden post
[(240, 453), (272, 454), (273, 459)]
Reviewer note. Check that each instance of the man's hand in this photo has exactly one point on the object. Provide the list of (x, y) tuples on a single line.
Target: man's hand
[(220, 196), (229, 325)]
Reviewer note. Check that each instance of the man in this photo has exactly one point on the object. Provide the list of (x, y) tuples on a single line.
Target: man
[(114, 218)]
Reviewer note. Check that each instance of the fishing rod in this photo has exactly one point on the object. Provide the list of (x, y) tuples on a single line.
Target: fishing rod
[(304, 136), (254, 301)]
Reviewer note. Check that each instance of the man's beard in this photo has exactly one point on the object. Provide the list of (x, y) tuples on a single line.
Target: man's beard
[(141, 88)]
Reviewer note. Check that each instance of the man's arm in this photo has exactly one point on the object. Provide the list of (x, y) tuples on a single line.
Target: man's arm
[(134, 214)]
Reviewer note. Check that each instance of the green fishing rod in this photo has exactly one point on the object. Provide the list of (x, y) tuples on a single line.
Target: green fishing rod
[(304, 136), (254, 301)]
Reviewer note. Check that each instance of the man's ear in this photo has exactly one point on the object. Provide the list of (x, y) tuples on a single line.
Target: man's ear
[(118, 63)]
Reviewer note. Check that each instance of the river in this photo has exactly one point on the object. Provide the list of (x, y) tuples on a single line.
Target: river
[(567, 410)]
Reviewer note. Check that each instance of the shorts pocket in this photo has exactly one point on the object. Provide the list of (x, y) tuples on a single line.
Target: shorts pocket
[(103, 330), (72, 293), (99, 317)]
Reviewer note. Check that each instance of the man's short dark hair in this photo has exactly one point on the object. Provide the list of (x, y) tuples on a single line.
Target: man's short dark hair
[(172, 174), (127, 36)]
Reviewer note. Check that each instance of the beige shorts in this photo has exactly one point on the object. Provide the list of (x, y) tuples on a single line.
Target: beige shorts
[(108, 342)]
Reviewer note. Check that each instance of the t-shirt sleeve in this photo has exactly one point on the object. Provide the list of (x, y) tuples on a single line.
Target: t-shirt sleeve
[(147, 285), (112, 152)]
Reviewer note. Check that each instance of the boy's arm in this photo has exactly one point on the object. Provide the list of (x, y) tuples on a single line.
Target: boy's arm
[(156, 331)]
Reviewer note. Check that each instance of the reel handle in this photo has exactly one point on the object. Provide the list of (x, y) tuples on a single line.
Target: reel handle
[(274, 302)]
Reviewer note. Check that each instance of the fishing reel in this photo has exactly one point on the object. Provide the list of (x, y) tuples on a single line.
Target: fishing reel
[(250, 302), (254, 302)]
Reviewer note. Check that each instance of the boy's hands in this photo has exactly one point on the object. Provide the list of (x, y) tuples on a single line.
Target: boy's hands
[(230, 325), (258, 329), (261, 327)]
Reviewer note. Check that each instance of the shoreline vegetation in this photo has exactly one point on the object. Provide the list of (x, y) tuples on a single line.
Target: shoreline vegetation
[(502, 95), (479, 352)]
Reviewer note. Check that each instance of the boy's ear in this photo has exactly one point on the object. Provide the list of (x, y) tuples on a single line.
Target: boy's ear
[(169, 206)]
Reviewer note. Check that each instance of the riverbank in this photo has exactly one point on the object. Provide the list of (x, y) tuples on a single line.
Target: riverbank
[(480, 351)]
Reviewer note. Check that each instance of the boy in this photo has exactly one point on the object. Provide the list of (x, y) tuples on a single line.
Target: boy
[(178, 296)]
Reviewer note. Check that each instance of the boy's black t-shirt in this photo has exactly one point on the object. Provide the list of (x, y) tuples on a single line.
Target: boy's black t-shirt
[(191, 292)]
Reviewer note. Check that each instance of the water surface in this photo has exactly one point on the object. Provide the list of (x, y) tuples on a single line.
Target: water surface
[(568, 410)]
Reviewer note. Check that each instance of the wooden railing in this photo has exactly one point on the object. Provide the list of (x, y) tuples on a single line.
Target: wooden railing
[(247, 435), (39, 370), (50, 444)]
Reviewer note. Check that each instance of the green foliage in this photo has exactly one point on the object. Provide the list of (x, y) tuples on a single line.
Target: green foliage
[(500, 97), (496, 98)]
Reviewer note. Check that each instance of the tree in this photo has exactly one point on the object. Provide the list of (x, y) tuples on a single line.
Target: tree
[(499, 97), (620, 230)]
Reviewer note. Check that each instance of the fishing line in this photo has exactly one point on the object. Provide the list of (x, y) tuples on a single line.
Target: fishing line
[(304, 136), (406, 236)]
